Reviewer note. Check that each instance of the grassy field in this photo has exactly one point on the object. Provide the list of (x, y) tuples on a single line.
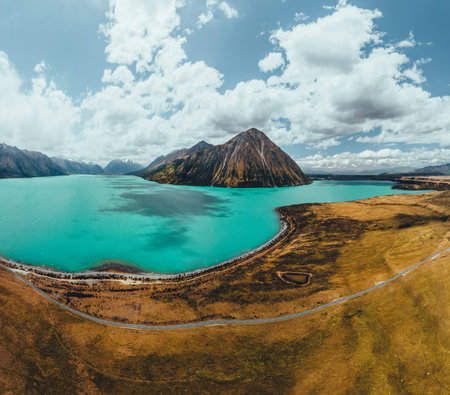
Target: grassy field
[(393, 340), (347, 247)]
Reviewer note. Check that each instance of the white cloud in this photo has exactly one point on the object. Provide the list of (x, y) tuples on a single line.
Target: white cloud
[(136, 28), (415, 74), (375, 160), (211, 8), (121, 75), (41, 67), (338, 77), (341, 78), (40, 117), (330, 45), (408, 43), (204, 18), (300, 17), (271, 62), (229, 11), (146, 114)]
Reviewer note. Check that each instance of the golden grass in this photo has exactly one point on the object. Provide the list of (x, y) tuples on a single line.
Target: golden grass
[(347, 247), (393, 340)]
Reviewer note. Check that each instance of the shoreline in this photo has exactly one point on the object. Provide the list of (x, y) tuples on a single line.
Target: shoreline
[(348, 247), (418, 183), (215, 322), (93, 274), (112, 270)]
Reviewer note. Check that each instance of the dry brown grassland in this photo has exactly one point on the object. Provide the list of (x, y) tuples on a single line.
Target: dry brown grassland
[(392, 340)]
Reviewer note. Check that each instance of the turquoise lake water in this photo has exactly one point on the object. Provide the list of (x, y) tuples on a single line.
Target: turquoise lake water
[(72, 223)]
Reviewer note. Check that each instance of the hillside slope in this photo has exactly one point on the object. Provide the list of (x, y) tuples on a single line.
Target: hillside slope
[(119, 166), (250, 159), (439, 169), (73, 167), (16, 163)]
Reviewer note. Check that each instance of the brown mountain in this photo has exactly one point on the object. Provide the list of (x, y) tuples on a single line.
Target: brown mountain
[(74, 167), (250, 159), (177, 154), (22, 163), (119, 166), (438, 170)]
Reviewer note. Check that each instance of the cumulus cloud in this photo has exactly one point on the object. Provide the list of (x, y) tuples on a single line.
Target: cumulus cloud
[(41, 67), (204, 18), (131, 40), (336, 76), (228, 11), (149, 112), (383, 159), (40, 117), (408, 43), (121, 75), (271, 62), (212, 6), (341, 78)]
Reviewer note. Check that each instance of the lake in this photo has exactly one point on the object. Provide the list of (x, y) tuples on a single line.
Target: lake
[(72, 223)]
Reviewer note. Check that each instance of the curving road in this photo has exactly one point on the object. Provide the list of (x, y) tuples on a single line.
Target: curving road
[(222, 322)]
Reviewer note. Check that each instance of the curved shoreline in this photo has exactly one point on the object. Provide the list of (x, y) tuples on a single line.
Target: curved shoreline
[(142, 276), (254, 321)]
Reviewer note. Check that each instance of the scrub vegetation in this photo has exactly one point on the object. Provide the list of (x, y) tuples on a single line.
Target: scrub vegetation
[(392, 340)]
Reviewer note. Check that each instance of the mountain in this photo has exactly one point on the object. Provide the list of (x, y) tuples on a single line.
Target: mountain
[(250, 159), (177, 154), (22, 163), (393, 170), (73, 167), (373, 172), (440, 169), (119, 166)]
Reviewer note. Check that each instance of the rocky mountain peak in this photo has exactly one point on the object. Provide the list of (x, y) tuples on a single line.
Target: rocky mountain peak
[(122, 166), (15, 162), (250, 159)]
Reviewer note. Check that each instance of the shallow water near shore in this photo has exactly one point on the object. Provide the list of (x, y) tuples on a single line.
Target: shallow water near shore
[(74, 223)]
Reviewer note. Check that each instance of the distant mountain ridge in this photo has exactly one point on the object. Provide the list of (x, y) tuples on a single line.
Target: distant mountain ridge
[(74, 167), (15, 162), (119, 166), (366, 172), (198, 165), (250, 159), (439, 169)]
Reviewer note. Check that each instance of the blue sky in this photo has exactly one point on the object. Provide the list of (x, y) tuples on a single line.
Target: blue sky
[(74, 108)]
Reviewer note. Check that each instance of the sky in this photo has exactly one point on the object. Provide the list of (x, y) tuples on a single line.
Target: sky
[(339, 85)]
